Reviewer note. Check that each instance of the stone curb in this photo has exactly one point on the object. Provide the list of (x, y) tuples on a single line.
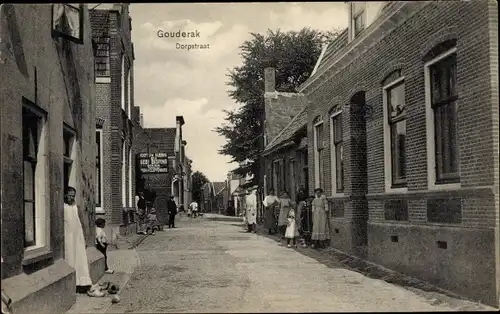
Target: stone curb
[(222, 218), (376, 271), (137, 242)]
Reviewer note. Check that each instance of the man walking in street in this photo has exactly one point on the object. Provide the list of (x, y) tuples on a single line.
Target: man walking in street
[(172, 211)]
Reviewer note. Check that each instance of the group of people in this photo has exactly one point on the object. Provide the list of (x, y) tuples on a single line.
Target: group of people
[(306, 219), (147, 219)]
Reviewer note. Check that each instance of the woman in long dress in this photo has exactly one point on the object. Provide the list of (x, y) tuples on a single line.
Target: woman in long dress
[(320, 230), (285, 205), (270, 203), (75, 252), (251, 211)]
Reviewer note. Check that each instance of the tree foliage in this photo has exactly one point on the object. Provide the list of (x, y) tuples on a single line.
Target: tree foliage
[(198, 180), (293, 55)]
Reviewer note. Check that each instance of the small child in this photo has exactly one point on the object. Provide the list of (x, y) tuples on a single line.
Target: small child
[(101, 242), (152, 222), (291, 230)]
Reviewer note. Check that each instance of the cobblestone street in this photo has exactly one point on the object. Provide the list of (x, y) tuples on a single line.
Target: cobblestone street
[(213, 266)]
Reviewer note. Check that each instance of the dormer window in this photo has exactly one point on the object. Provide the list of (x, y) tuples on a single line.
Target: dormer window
[(358, 11), (67, 21)]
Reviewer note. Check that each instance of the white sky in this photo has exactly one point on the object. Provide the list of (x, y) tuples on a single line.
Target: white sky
[(171, 82)]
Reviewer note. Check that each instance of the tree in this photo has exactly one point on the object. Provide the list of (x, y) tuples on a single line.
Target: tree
[(199, 179), (293, 55)]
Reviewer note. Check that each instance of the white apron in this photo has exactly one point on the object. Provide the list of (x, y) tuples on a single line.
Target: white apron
[(74, 245), (251, 211)]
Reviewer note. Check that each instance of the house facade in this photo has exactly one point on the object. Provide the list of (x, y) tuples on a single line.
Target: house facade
[(114, 59), (47, 121), (285, 139), (403, 137), (158, 165), (213, 200)]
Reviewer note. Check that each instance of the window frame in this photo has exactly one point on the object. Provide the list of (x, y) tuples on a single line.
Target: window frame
[(318, 178), (68, 157), (333, 155), (56, 33), (354, 16), (42, 244), (99, 203), (123, 84), (129, 90), (123, 174), (432, 182), (130, 178), (390, 184)]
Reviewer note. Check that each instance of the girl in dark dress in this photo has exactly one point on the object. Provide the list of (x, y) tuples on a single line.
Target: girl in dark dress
[(306, 222)]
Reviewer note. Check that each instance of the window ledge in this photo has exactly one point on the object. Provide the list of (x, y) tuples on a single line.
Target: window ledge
[(99, 210), (36, 255), (103, 79)]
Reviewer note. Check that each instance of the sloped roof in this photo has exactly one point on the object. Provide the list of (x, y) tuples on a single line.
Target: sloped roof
[(163, 138), (331, 50), (297, 123), (219, 187)]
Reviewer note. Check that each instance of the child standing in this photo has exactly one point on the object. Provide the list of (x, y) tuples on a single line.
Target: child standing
[(152, 221), (101, 242), (292, 229)]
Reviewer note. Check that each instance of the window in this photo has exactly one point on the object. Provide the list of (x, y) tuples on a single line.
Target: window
[(35, 212), (101, 56), (293, 180), (124, 171), (358, 17), (442, 119), (130, 86), (67, 21), (337, 153), (318, 152), (275, 176), (396, 122), (130, 178), (123, 83), (99, 168), (68, 141)]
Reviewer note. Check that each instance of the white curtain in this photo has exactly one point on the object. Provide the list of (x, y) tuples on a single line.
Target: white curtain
[(72, 13)]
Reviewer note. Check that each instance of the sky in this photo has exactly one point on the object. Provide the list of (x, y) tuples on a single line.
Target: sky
[(170, 81)]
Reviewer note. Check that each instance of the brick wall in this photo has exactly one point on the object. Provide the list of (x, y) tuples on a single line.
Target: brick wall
[(364, 68), (114, 23), (411, 31), (54, 75)]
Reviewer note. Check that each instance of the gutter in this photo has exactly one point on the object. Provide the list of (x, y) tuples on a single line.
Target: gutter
[(278, 147)]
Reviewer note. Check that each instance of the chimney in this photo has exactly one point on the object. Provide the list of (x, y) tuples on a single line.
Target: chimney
[(141, 120), (270, 80)]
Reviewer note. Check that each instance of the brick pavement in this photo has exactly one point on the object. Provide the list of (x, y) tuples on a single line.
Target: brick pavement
[(332, 257)]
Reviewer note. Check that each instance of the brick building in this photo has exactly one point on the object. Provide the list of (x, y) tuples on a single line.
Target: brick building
[(403, 137), (114, 73), (175, 178), (285, 139), (47, 121)]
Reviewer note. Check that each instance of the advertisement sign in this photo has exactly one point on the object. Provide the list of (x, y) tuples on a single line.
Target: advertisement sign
[(153, 162)]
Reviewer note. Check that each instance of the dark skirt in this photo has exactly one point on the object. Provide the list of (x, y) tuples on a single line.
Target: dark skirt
[(270, 218), (307, 222)]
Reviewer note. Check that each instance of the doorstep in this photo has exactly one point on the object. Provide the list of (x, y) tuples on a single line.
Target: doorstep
[(123, 262)]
